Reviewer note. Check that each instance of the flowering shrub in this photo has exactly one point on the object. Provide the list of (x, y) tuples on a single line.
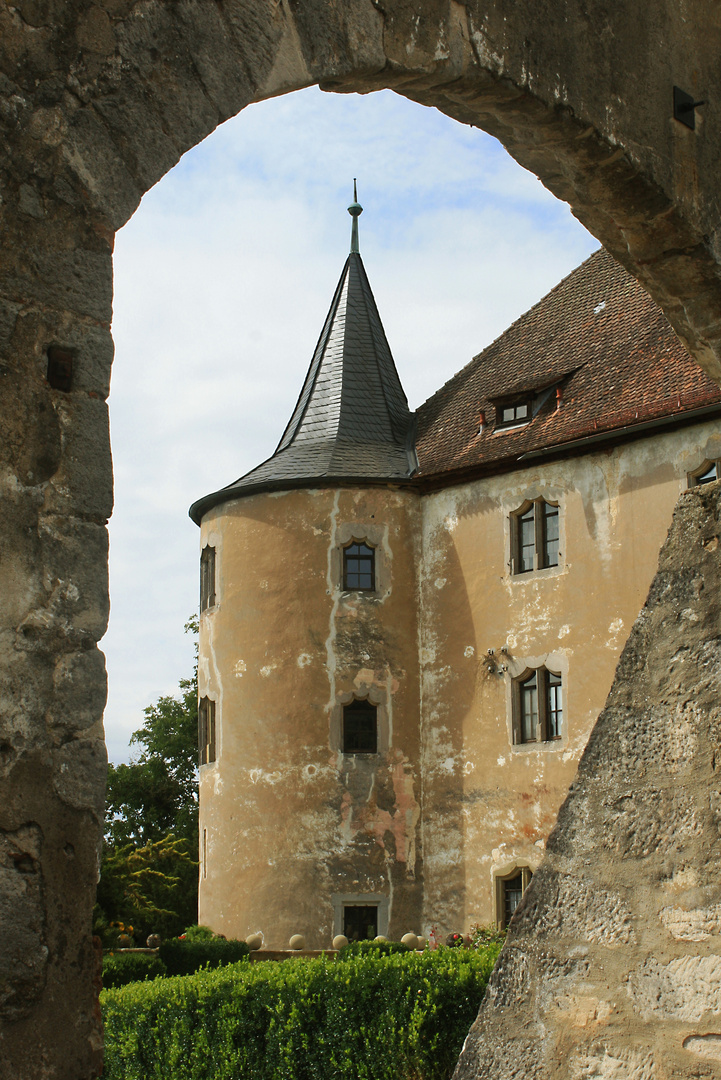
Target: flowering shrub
[(483, 936)]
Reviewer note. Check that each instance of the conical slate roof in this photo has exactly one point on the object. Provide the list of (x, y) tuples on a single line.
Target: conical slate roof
[(351, 422)]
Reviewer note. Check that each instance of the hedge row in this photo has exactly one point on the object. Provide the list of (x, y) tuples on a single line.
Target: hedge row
[(386, 1017), (175, 957)]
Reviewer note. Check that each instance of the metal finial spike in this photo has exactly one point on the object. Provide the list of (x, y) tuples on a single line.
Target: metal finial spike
[(355, 210)]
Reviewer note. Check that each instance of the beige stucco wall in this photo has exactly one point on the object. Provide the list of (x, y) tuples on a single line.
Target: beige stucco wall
[(288, 823), (489, 805)]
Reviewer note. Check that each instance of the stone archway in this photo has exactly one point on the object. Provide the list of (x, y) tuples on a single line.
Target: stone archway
[(99, 100)]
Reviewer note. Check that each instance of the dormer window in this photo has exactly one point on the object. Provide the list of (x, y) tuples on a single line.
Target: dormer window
[(359, 567), (514, 412)]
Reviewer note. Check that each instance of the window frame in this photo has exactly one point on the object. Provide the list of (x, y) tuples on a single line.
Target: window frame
[(208, 592), (359, 705), (707, 464), (540, 506), (501, 882), (521, 402), (206, 731), (548, 716), (370, 548)]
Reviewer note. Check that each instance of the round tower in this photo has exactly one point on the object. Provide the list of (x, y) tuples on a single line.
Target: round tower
[(308, 658)]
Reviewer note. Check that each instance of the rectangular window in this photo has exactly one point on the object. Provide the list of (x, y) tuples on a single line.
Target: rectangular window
[(534, 537), (360, 728), (538, 707), (515, 412), (207, 578), (359, 567), (206, 731), (360, 921)]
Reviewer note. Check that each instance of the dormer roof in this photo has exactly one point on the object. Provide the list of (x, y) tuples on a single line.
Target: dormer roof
[(351, 423)]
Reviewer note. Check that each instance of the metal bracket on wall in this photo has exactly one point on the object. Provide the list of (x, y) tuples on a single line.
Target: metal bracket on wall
[(684, 107)]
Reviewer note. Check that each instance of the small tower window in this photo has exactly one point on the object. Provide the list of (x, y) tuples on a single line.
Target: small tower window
[(360, 728), (359, 566), (538, 707), (206, 731), (207, 578), (534, 536)]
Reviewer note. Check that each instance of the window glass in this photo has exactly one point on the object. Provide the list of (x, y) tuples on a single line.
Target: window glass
[(529, 709), (555, 706), (517, 413), (512, 893), (549, 540), (207, 578), (709, 474), (527, 540), (535, 537), (206, 731), (360, 922), (358, 567), (360, 728)]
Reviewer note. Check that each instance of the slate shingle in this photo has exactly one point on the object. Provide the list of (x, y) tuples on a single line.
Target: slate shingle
[(351, 421)]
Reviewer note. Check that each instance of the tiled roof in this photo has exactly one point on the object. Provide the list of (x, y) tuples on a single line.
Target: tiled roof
[(600, 339), (351, 421)]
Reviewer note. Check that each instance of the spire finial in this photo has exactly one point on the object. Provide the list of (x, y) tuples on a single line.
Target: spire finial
[(355, 210)]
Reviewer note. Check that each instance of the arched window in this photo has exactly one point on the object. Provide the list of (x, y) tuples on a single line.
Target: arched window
[(537, 707), (359, 566), (534, 536), (705, 474), (360, 728), (509, 890)]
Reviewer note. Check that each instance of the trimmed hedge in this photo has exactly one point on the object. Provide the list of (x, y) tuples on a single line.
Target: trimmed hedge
[(389, 1017), (183, 957), (373, 948), (122, 968)]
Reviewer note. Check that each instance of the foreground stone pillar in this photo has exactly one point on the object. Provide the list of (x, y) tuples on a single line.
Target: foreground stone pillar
[(612, 967), (55, 499)]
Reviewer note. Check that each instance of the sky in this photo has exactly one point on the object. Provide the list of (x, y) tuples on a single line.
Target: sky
[(223, 278)]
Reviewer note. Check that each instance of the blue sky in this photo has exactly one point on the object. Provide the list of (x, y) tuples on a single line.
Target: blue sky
[(222, 281)]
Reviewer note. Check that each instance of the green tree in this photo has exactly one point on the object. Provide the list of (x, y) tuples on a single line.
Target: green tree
[(149, 873)]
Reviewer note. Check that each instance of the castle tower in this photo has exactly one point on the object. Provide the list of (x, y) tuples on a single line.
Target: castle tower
[(308, 661)]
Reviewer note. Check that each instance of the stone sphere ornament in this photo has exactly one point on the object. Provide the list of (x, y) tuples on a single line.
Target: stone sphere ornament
[(410, 940), (297, 942), (339, 941), (153, 941), (380, 937), (254, 942)]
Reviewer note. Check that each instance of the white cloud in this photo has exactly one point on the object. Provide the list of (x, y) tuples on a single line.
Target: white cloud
[(223, 279)]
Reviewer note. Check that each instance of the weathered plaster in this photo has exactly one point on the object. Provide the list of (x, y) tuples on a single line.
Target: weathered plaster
[(97, 102)]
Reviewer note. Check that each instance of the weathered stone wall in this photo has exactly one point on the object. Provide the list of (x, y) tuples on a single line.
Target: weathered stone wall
[(97, 102), (612, 967)]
